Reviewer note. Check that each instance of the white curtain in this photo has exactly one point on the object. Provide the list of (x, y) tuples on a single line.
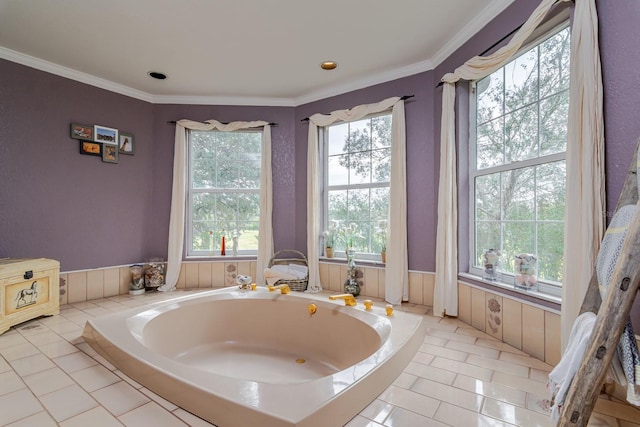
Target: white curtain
[(178, 201), (585, 201), (445, 294), (397, 281)]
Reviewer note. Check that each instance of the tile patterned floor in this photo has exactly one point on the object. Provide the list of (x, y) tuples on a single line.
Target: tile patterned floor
[(460, 377)]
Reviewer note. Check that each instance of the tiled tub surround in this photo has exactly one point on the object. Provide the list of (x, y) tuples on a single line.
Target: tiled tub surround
[(272, 364), (532, 329), (459, 377)]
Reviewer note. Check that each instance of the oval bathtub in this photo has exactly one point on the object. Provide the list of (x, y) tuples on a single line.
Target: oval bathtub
[(254, 358)]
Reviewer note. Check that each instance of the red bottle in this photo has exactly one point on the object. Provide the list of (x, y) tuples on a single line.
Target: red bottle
[(222, 247)]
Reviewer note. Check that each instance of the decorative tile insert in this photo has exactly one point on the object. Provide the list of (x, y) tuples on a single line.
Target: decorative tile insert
[(494, 316)]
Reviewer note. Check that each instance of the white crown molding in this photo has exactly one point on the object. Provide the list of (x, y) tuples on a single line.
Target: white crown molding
[(222, 100), (487, 15), (59, 70)]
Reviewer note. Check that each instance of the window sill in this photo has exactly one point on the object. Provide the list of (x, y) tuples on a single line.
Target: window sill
[(533, 295), (221, 258), (359, 262)]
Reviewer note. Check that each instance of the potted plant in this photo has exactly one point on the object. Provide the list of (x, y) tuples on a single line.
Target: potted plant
[(329, 239)]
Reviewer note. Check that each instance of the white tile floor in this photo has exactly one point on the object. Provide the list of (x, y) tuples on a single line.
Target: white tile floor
[(460, 377)]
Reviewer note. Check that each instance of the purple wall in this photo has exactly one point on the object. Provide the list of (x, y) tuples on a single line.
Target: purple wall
[(55, 202), (619, 41)]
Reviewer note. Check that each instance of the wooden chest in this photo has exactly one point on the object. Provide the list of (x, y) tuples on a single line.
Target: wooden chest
[(29, 288)]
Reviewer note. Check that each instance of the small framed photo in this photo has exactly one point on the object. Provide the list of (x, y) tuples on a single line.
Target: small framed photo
[(90, 148), (79, 131), (105, 135), (126, 143), (110, 153)]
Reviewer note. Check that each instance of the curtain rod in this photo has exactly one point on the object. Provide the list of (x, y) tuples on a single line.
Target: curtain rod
[(173, 122), (404, 98), (500, 41)]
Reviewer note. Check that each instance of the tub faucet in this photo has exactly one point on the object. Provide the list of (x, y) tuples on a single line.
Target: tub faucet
[(349, 299), (284, 289)]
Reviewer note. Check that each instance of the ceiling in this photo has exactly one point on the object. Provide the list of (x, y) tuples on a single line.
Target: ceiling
[(242, 52)]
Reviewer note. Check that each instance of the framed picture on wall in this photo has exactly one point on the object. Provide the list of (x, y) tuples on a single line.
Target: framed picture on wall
[(126, 143), (90, 148), (79, 131), (105, 135), (110, 153)]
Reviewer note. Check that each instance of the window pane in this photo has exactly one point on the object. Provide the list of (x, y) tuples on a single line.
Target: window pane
[(488, 197), (359, 136), (550, 251), (247, 233), (488, 236), (379, 204), (518, 194), (521, 80), (203, 238), (337, 170), (360, 240), (490, 97), (337, 209), (381, 136), (521, 134), (490, 144), (227, 173), (226, 207), (360, 167), (555, 56), (248, 207), (358, 201), (381, 165), (203, 161), (553, 123), (551, 180), (338, 135), (519, 237), (203, 207)]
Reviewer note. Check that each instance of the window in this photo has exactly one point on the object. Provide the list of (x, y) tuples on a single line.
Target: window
[(357, 170), (517, 162), (224, 191)]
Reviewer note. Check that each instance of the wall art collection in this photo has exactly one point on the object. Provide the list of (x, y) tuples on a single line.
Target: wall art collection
[(102, 141)]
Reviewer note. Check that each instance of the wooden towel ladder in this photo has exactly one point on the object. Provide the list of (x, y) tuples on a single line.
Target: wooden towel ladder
[(612, 315)]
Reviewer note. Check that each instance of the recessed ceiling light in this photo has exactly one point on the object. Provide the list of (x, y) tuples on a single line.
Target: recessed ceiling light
[(329, 65), (157, 75)]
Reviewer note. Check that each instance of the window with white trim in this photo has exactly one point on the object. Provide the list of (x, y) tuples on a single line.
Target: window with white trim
[(517, 161), (357, 170), (224, 191)]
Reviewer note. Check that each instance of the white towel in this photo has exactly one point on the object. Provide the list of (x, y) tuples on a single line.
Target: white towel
[(297, 271), (272, 275), (562, 375)]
